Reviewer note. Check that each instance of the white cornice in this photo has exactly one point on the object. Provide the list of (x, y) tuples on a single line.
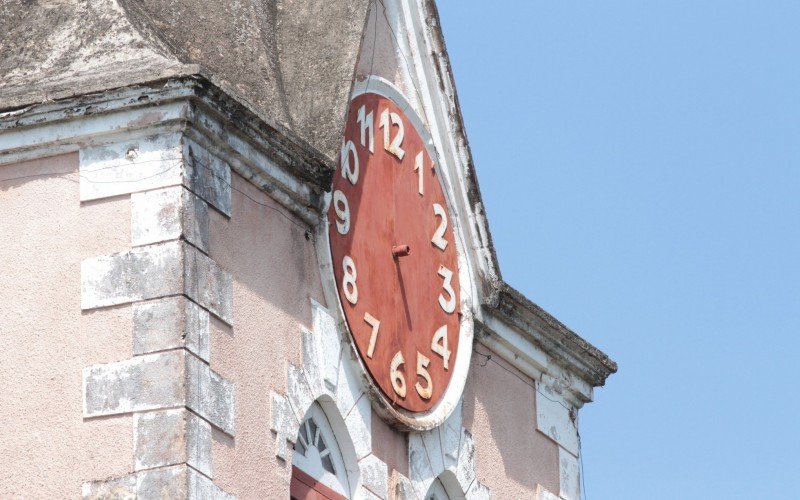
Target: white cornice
[(272, 158)]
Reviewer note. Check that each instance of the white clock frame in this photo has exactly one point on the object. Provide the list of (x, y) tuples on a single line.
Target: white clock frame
[(417, 421)]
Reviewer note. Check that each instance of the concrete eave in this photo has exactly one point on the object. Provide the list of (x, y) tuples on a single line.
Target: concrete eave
[(540, 328), (270, 156)]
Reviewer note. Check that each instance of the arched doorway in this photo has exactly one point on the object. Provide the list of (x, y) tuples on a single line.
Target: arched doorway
[(318, 468)]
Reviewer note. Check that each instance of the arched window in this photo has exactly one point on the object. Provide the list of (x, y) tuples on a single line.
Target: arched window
[(318, 470)]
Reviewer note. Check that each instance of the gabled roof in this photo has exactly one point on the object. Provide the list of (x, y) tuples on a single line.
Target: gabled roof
[(289, 62)]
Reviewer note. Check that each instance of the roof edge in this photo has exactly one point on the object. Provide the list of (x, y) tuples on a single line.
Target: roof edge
[(297, 156), (567, 347)]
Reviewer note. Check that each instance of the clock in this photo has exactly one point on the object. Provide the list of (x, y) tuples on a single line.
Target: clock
[(395, 258)]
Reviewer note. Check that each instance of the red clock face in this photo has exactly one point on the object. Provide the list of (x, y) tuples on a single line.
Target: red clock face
[(394, 255)]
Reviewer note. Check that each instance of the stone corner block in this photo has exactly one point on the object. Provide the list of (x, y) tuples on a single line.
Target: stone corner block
[(156, 271), (139, 274), (543, 493), (553, 419), (465, 468), (130, 166), (143, 383), (208, 176), (363, 493), (210, 395), (283, 423), (119, 488), (402, 488), (172, 437), (202, 488), (569, 475), (359, 423), (170, 213), (171, 323), (478, 491), (157, 381), (208, 284), (299, 391), (420, 471), (178, 482)]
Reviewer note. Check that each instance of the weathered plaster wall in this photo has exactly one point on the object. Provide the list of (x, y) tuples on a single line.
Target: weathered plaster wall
[(48, 450), (512, 457), (275, 274), (379, 54)]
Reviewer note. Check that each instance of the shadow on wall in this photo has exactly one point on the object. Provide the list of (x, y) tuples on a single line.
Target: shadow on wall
[(500, 412), (16, 175), (268, 251)]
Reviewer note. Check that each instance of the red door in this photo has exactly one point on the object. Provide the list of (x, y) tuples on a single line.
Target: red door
[(305, 487)]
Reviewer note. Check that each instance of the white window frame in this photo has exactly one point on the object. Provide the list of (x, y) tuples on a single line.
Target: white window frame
[(311, 463)]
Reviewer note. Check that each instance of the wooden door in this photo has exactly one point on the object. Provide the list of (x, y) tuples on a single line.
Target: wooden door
[(305, 487)]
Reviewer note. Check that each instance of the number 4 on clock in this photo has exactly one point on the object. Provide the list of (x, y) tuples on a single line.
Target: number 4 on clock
[(439, 345)]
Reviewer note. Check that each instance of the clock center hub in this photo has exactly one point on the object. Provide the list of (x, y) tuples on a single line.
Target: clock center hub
[(400, 251)]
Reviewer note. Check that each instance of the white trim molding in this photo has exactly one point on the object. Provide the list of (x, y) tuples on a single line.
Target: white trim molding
[(328, 377), (446, 453)]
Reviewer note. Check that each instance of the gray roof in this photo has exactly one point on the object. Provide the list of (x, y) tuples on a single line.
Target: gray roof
[(291, 61)]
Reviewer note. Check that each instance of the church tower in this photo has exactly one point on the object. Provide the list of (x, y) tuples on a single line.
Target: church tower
[(244, 255)]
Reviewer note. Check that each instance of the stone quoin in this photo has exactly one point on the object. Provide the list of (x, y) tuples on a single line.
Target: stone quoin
[(245, 256)]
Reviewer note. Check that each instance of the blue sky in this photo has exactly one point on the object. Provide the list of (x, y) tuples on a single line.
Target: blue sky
[(640, 164)]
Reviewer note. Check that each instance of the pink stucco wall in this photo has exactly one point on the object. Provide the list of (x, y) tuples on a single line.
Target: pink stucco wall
[(511, 456), (48, 450), (275, 275)]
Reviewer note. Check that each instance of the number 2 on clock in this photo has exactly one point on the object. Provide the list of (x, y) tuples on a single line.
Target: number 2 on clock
[(438, 236)]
